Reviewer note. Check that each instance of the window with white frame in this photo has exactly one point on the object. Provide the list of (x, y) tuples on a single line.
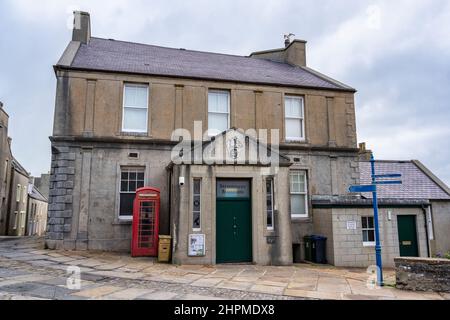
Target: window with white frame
[(368, 231), (269, 204), (18, 191), (294, 118), (196, 204), (135, 108), (23, 218), (6, 170), (298, 194), (131, 179), (16, 220), (218, 111), (24, 194)]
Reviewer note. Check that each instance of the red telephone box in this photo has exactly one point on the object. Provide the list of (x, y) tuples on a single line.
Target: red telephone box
[(145, 222)]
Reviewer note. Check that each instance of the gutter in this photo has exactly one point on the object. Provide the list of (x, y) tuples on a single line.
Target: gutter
[(57, 68), (367, 203)]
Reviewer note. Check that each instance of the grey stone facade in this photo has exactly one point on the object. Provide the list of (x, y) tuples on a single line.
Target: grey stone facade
[(85, 179), (440, 221), (345, 247), (89, 145), (60, 208), (5, 169)]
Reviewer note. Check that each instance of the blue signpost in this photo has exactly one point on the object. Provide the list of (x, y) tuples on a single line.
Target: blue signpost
[(373, 188)]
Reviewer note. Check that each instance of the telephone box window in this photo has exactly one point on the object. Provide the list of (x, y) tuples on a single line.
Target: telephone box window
[(269, 203), (196, 205), (130, 180)]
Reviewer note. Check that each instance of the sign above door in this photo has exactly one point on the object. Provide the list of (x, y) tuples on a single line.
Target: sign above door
[(233, 189)]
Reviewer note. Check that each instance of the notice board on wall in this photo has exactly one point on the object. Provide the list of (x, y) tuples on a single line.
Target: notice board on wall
[(196, 245)]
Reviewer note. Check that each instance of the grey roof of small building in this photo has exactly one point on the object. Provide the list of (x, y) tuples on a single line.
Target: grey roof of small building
[(120, 56), (416, 182), (19, 168), (36, 194)]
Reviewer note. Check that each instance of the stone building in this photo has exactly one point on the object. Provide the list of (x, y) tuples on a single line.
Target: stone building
[(414, 218), (5, 168), (36, 212), (16, 211), (13, 185), (42, 183), (22, 205), (117, 107)]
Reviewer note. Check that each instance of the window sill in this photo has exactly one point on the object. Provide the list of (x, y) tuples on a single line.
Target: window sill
[(368, 244), (292, 141), (133, 134), (120, 221), (300, 218)]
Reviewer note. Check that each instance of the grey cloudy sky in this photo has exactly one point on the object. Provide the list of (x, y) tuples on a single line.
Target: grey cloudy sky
[(396, 53)]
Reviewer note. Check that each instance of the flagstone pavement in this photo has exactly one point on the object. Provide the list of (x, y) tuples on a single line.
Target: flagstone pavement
[(28, 271)]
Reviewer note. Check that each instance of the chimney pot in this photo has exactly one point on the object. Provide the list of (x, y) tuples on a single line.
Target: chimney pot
[(81, 27)]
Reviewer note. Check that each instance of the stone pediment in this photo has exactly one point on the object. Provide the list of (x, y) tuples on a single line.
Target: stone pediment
[(231, 147)]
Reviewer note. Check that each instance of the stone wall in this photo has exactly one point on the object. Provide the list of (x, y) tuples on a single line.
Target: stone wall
[(441, 226), (323, 226), (91, 105), (349, 249), (84, 196), (5, 176), (59, 222), (420, 274), (264, 252)]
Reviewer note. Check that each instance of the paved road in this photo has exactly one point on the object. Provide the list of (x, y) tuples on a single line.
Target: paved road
[(27, 271)]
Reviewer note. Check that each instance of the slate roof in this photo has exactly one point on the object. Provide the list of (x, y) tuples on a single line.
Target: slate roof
[(36, 194), (19, 168), (119, 56), (416, 183)]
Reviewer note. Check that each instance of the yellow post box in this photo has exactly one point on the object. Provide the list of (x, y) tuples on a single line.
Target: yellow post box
[(164, 248)]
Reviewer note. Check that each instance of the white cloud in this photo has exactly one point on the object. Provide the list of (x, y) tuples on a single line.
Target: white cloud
[(382, 28)]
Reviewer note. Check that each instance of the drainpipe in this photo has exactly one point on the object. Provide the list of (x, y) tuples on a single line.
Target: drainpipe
[(424, 210)]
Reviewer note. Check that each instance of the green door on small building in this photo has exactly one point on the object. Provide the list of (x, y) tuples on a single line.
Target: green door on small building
[(407, 236), (233, 222)]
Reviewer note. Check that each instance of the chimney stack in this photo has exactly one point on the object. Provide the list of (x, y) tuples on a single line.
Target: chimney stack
[(81, 27), (364, 154), (1, 105), (294, 52)]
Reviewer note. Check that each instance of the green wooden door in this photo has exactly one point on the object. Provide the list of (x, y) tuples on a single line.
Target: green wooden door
[(233, 230), (407, 236)]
